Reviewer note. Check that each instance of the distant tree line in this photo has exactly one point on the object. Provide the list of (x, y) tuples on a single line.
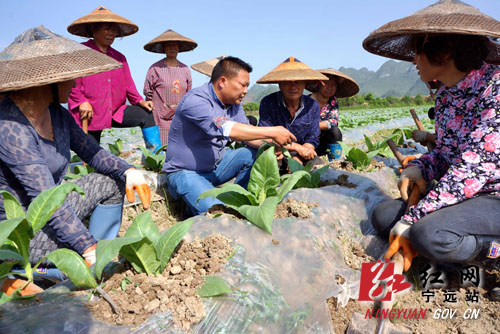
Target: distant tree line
[(367, 101)]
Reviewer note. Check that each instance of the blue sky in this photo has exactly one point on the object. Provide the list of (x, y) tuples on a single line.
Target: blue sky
[(321, 33)]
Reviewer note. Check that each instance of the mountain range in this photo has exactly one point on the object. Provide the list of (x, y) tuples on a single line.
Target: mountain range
[(393, 78)]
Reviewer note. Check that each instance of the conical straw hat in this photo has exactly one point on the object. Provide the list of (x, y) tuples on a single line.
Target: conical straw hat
[(394, 39), (291, 69), (206, 67), (156, 45), (81, 26), (39, 57), (347, 86)]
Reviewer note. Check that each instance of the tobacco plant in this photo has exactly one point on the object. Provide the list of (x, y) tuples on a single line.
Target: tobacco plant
[(311, 178), (116, 147), (360, 159), (20, 227), (154, 160), (143, 246), (259, 202)]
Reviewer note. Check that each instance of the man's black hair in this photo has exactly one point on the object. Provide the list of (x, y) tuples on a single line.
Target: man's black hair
[(229, 67)]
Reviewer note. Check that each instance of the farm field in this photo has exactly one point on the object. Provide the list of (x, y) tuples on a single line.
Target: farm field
[(284, 256)]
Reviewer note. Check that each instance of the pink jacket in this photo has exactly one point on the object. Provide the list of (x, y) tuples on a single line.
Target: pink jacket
[(107, 92)]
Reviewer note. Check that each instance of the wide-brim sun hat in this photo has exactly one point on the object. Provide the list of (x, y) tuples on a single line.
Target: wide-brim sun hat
[(206, 67), (156, 45), (291, 69), (81, 26), (395, 39), (346, 87), (39, 57)]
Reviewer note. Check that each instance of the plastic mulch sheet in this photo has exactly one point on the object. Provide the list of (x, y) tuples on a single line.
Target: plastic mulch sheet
[(280, 282)]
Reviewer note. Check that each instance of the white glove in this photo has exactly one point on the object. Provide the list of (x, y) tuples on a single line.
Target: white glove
[(135, 181), (89, 257), (419, 136), (402, 228), (411, 174)]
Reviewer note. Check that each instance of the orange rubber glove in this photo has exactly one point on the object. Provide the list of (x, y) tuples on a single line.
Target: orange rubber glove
[(10, 285), (399, 238), (414, 175), (135, 181)]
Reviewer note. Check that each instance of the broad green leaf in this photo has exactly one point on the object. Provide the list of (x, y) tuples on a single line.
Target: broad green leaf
[(369, 143), (145, 151), (160, 149), (20, 235), (290, 183), (232, 198), (10, 255), (5, 268), (263, 148), (4, 298), (107, 250), (12, 207), (370, 155), (44, 205), (358, 158), (144, 226), (264, 169), (213, 286), (142, 256), (113, 148), (229, 188), (294, 165), (8, 226), (262, 215), (169, 240), (72, 264)]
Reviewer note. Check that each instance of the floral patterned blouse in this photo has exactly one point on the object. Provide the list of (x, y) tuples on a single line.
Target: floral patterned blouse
[(466, 159), (330, 112)]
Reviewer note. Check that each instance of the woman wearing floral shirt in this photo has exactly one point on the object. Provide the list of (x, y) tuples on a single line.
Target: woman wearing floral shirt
[(456, 221)]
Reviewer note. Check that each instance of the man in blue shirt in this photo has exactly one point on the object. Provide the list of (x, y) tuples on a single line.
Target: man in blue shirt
[(197, 158), (290, 108)]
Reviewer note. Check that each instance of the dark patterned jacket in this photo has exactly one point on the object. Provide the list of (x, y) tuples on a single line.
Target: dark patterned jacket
[(30, 164)]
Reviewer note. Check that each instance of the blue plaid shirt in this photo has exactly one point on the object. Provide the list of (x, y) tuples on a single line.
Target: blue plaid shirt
[(305, 124)]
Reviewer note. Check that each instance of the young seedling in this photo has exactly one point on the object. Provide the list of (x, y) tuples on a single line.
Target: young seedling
[(259, 202), (116, 148), (360, 159), (311, 178), (20, 227), (143, 246), (154, 161)]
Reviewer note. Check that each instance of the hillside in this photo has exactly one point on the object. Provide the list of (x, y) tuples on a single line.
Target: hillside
[(393, 78)]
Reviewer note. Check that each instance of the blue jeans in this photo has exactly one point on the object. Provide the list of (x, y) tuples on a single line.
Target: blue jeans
[(188, 185), (454, 233)]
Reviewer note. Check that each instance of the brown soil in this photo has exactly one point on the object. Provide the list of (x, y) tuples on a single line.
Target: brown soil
[(219, 209), (174, 290), (348, 166), (353, 253), (293, 208), (164, 213), (342, 180)]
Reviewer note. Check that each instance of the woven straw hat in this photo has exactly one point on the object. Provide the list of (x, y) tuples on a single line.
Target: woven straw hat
[(347, 86), (394, 39), (81, 26), (39, 57), (291, 69), (206, 67), (156, 45)]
